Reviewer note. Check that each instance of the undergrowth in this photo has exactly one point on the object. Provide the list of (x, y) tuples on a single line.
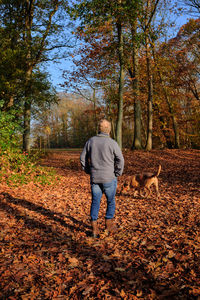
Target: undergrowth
[(18, 168)]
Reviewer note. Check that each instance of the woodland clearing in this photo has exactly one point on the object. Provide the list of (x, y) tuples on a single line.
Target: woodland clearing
[(46, 251)]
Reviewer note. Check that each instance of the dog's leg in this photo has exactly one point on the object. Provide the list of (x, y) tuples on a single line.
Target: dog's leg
[(145, 192), (123, 189), (157, 189)]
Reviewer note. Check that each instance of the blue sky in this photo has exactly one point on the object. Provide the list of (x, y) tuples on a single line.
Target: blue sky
[(56, 69)]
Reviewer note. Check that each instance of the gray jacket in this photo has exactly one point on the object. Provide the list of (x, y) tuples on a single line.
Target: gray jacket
[(102, 159)]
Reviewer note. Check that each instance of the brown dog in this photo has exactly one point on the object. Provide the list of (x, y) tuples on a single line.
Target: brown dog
[(142, 183)]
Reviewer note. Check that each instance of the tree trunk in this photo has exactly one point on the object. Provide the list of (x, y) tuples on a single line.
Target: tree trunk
[(27, 119), (113, 129), (166, 133), (150, 98), (121, 85), (134, 74), (28, 74), (170, 106), (176, 131), (27, 111), (137, 126), (27, 108), (29, 7), (174, 120), (95, 112)]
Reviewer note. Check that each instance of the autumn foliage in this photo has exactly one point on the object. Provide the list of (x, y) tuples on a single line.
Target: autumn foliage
[(46, 251)]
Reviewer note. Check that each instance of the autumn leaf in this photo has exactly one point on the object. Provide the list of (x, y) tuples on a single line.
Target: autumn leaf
[(46, 251), (73, 261)]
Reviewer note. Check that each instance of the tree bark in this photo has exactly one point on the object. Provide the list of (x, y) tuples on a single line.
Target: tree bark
[(134, 74), (28, 73), (170, 106), (32, 61), (173, 117), (95, 112), (150, 98), (121, 85), (26, 134)]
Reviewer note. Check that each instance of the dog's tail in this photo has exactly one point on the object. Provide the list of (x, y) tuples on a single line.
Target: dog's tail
[(158, 172)]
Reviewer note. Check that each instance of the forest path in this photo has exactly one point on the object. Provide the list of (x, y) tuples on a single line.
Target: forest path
[(47, 253)]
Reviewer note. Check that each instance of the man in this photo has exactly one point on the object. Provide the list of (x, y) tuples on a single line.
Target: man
[(103, 160)]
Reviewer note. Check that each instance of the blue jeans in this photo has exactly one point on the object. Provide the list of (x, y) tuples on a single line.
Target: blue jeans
[(109, 189)]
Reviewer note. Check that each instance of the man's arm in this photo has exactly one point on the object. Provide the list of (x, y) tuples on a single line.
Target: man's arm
[(119, 161), (84, 159)]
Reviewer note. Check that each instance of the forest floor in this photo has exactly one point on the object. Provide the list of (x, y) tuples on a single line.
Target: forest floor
[(46, 251)]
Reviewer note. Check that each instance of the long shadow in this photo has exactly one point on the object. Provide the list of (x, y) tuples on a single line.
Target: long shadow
[(55, 216), (107, 270), (103, 270)]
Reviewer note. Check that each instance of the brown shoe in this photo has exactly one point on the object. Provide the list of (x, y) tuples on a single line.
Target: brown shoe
[(95, 230), (110, 226)]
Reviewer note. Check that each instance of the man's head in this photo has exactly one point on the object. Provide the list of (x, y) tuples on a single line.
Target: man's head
[(104, 126)]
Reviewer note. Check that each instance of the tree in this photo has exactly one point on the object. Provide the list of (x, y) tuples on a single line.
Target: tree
[(95, 73), (176, 79), (68, 123), (32, 28), (81, 83), (194, 6), (134, 75), (99, 61), (92, 15), (149, 14)]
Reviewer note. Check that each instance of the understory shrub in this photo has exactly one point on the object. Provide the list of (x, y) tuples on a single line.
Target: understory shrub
[(20, 168), (10, 130), (17, 167)]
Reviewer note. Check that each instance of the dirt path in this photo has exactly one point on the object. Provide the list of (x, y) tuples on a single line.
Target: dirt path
[(46, 251)]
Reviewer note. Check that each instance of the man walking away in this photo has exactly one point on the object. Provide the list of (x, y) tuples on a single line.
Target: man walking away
[(103, 160)]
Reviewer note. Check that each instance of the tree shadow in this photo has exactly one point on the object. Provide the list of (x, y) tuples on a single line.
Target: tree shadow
[(55, 216), (113, 272), (102, 268)]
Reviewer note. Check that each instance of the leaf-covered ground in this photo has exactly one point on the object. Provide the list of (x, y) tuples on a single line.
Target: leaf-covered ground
[(46, 251)]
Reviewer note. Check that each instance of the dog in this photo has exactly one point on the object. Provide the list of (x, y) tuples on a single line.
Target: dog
[(142, 183)]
